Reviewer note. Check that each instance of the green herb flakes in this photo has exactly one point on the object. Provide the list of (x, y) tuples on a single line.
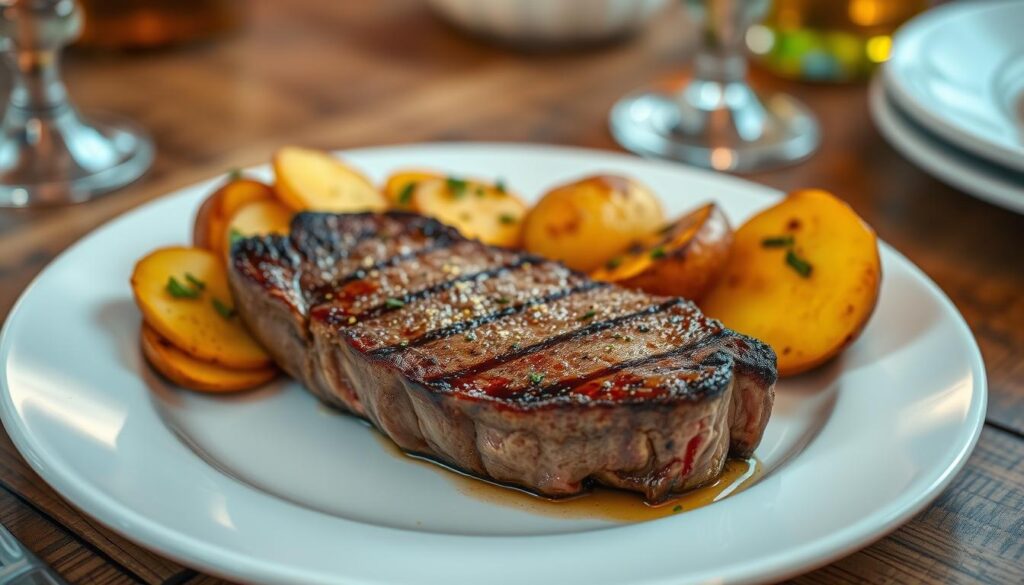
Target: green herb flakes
[(536, 378), (393, 303), (181, 291), (588, 315), (508, 219), (613, 263), (234, 174), (405, 195), (196, 283), (499, 185), (777, 242), (233, 236), (457, 186), (801, 266), (678, 508), (222, 309), (658, 252)]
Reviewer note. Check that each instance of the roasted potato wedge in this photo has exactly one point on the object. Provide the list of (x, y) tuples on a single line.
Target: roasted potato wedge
[(804, 277), (213, 215), (184, 370), (258, 218), (183, 294), (478, 210), (316, 181), (586, 222), (686, 258), (400, 186)]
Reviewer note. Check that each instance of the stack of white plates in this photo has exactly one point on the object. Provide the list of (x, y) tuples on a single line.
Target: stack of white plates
[(951, 99)]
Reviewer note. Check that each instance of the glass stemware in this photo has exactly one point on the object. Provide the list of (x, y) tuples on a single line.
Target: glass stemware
[(48, 153), (718, 120)]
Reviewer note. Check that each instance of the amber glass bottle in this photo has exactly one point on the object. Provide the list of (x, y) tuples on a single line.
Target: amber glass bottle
[(138, 24)]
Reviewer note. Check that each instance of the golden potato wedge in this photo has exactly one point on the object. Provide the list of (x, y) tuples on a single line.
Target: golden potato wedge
[(186, 371), (258, 218), (804, 277), (685, 259), (183, 294), (213, 215), (399, 187), (316, 181), (476, 209), (585, 223)]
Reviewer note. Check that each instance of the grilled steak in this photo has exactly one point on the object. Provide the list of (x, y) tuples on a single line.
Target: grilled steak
[(504, 365)]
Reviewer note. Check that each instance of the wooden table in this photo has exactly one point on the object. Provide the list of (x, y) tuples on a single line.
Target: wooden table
[(349, 74)]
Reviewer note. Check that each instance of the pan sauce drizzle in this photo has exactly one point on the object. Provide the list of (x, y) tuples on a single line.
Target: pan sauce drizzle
[(602, 503)]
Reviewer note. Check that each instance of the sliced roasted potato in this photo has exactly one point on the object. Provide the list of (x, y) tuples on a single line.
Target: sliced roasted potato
[(314, 180), (213, 215), (803, 277), (686, 258), (585, 223), (478, 210), (258, 218), (399, 187), (184, 370), (183, 294)]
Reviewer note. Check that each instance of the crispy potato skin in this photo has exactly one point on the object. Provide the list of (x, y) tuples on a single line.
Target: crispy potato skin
[(186, 371), (586, 222), (212, 218), (478, 210), (313, 180), (257, 218), (193, 324), (806, 319), (685, 259)]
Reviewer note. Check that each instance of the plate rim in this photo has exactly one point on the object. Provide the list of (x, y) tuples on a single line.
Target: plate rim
[(212, 558), (951, 129), (939, 160)]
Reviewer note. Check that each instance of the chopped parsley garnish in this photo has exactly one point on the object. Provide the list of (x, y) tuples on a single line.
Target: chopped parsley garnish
[(658, 252), (777, 242), (616, 336), (233, 236), (480, 192), (588, 315), (613, 263), (470, 336), (507, 219), (221, 308), (500, 185), (457, 186), (393, 303), (234, 174), (536, 378), (405, 195), (403, 343), (515, 346), (503, 300), (181, 291), (198, 284), (802, 267), (643, 328), (678, 508)]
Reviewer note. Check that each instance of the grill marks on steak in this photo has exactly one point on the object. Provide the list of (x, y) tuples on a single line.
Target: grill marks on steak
[(501, 364)]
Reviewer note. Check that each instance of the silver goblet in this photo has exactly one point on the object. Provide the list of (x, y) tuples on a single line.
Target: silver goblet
[(718, 120), (48, 153)]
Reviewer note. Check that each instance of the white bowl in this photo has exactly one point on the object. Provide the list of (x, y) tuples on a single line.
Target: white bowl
[(549, 22)]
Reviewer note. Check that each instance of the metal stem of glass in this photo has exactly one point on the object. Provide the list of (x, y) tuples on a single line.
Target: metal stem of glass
[(49, 155), (718, 120)]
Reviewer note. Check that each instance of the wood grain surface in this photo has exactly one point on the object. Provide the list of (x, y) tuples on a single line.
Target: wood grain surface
[(351, 74)]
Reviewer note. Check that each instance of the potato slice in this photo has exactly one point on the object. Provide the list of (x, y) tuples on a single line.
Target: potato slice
[(183, 294), (258, 218), (399, 187), (213, 215), (184, 370), (478, 210), (316, 181), (686, 258), (804, 277), (586, 222)]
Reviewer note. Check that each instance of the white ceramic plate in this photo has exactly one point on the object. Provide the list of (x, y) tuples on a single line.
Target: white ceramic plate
[(959, 70), (986, 181), (269, 487)]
